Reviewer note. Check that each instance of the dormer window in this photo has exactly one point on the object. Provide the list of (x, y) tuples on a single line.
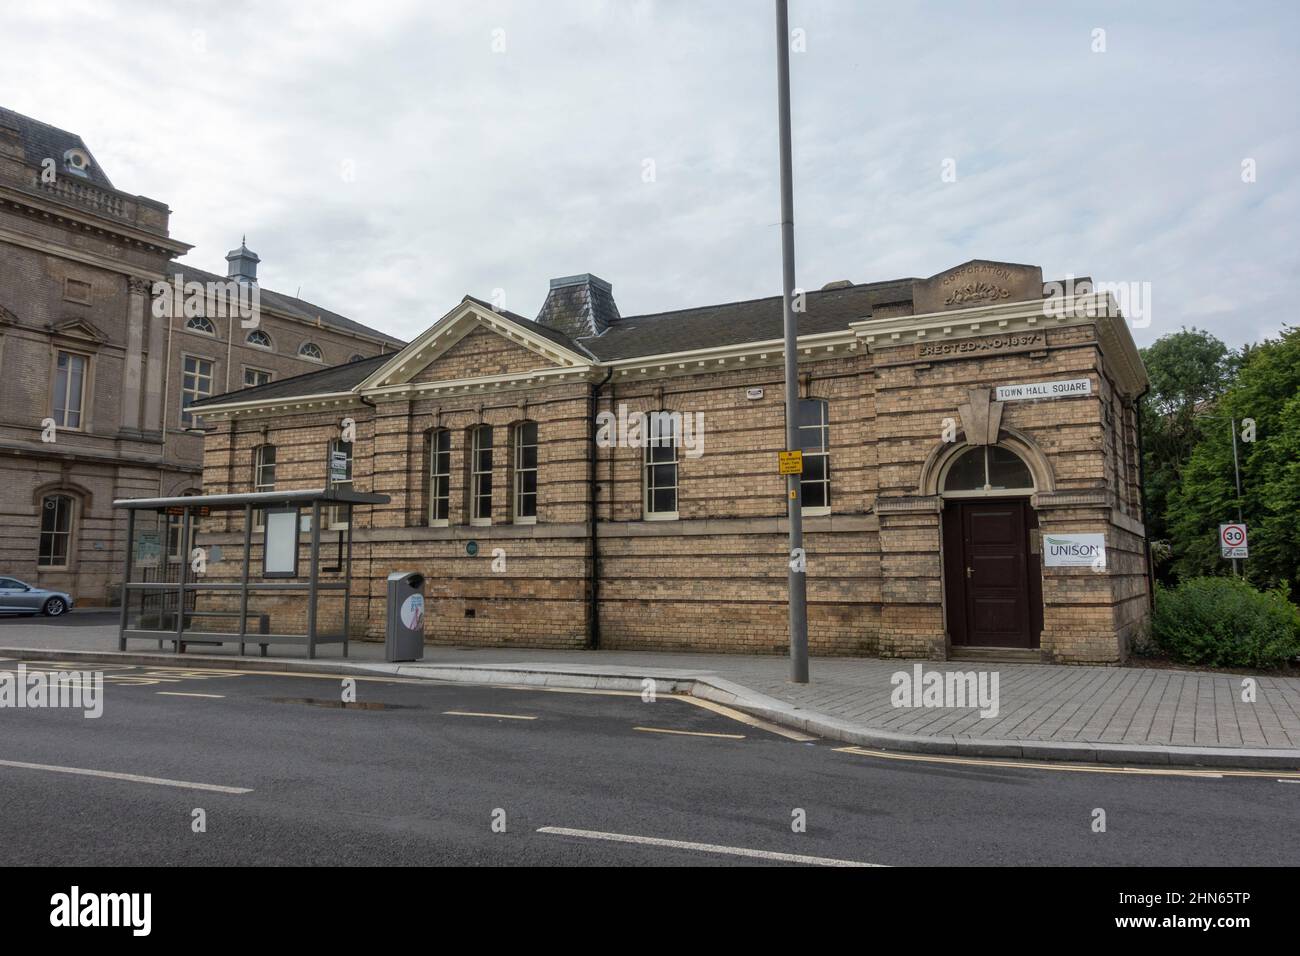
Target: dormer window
[(259, 339), (77, 162), (310, 350), (201, 325)]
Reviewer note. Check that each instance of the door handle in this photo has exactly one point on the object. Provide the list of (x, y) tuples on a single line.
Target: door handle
[(969, 572)]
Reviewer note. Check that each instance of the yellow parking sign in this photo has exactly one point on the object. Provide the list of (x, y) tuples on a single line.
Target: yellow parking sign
[(791, 462)]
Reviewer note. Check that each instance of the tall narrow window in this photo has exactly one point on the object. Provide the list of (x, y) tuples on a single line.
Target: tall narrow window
[(439, 476), (56, 531), (196, 383), (480, 475), (661, 465), (814, 440), (263, 477), (339, 475), (69, 389), (525, 505)]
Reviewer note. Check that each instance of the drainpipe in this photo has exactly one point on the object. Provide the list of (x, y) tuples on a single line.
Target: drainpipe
[(593, 639), (1146, 517)]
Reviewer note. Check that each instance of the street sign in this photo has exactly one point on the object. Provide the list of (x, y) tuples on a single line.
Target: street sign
[(1065, 389), (1232, 541), (791, 462)]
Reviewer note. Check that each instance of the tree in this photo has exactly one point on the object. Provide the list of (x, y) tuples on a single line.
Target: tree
[(1265, 395), (1189, 370)]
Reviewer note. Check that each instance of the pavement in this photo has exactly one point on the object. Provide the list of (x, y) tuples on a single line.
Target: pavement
[(230, 766), (1127, 715)]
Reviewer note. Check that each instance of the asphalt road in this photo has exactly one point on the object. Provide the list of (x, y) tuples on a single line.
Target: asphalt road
[(419, 773)]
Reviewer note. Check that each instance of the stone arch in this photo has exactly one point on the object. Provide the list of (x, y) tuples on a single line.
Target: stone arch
[(86, 498), (1017, 441)]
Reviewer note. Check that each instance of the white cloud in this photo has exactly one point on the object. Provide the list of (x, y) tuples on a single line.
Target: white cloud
[(475, 170)]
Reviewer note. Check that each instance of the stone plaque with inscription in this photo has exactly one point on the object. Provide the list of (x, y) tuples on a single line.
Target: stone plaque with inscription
[(976, 283), (974, 347)]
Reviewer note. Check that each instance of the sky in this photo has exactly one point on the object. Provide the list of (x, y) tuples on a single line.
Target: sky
[(384, 158)]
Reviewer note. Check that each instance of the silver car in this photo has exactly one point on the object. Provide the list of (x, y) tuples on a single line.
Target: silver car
[(17, 597)]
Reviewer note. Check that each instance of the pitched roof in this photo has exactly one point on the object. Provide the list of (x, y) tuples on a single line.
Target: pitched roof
[(41, 141), (325, 381), (735, 323), (289, 304)]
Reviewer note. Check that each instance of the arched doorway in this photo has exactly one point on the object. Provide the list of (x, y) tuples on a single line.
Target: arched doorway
[(992, 577)]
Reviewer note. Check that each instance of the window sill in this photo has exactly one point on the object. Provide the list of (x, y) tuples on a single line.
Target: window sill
[(480, 522), (532, 520), (815, 512), (661, 516), (439, 523)]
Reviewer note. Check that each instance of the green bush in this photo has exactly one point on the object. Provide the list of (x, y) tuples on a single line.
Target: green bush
[(1224, 622)]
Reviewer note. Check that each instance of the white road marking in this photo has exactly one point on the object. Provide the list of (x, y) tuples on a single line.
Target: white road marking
[(470, 713), (705, 847), (179, 693), (129, 777)]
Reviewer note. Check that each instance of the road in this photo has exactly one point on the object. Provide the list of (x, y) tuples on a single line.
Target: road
[(420, 771)]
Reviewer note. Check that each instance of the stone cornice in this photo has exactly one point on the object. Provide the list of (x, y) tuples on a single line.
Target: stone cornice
[(1099, 310)]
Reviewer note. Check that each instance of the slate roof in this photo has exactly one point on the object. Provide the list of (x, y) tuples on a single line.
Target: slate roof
[(325, 381), (287, 303), (579, 305), (41, 140), (735, 323), (730, 323)]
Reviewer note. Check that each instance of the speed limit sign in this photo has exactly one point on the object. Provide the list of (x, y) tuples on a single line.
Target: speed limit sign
[(1232, 540)]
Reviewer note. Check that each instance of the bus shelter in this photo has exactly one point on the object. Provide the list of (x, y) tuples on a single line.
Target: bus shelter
[(264, 568)]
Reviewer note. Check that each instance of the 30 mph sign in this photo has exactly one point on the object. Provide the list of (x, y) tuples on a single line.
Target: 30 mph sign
[(1232, 539)]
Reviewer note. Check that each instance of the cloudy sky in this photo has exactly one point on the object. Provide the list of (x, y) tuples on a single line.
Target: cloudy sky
[(387, 157)]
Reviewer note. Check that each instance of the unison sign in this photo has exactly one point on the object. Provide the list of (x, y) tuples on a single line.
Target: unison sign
[(1067, 389), (1074, 550)]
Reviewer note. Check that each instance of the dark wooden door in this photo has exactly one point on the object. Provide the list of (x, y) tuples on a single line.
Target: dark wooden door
[(991, 574)]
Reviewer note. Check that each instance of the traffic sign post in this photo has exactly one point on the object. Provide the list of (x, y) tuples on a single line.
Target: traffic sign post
[(1233, 543)]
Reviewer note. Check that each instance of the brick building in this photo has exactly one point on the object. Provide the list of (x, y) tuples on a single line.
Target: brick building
[(95, 374), (971, 471)]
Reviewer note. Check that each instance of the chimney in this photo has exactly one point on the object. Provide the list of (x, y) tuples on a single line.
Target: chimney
[(579, 306), (243, 263)]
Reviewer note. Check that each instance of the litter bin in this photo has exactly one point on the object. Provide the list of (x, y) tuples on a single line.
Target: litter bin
[(404, 627)]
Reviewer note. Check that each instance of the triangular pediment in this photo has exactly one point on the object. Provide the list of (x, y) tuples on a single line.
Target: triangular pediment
[(78, 329), (473, 341)]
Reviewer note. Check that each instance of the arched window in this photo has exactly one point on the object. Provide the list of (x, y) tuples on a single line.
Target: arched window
[(480, 475), (201, 324), (356, 358), (988, 469), (310, 350), (815, 441), (439, 451), (56, 531), (258, 339), (525, 473), (661, 465)]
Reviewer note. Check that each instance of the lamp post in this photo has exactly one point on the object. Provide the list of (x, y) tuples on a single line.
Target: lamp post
[(797, 578)]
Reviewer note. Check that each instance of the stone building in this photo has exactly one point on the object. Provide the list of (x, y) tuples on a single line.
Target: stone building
[(970, 485), (98, 361)]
